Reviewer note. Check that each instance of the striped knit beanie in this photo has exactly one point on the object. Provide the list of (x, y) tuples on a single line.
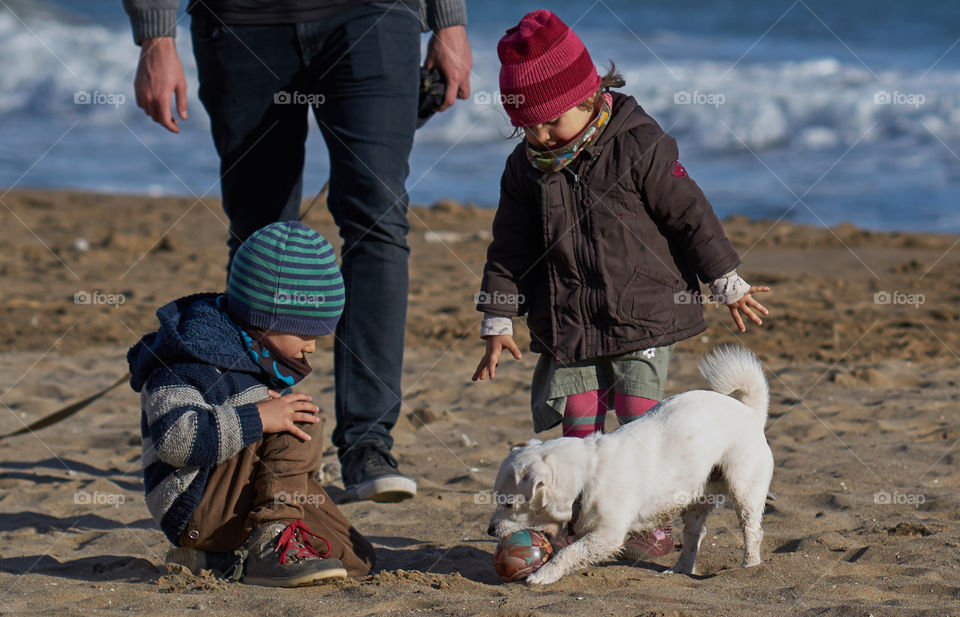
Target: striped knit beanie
[(285, 277), (544, 69)]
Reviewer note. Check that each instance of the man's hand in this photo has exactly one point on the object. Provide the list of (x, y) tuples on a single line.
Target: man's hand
[(495, 345), (160, 76), (746, 305), (449, 51), (279, 413)]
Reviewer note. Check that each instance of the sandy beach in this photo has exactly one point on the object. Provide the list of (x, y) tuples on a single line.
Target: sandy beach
[(860, 351)]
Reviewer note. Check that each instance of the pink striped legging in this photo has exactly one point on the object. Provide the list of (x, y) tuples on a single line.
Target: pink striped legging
[(584, 413)]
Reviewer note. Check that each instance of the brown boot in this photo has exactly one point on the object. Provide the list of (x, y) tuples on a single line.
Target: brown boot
[(280, 556)]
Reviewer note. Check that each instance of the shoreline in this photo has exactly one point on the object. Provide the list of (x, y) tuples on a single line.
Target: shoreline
[(845, 224)]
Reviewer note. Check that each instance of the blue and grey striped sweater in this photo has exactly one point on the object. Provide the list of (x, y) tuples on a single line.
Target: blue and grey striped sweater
[(198, 390)]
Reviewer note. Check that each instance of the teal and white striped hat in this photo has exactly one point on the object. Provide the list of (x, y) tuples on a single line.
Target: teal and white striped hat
[(285, 277)]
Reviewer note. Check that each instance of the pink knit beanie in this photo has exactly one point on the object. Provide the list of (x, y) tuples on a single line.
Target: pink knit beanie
[(544, 69)]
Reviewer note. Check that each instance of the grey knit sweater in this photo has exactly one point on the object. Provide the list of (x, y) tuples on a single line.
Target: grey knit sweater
[(157, 18)]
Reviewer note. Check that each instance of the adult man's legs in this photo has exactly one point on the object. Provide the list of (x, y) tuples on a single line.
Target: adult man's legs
[(368, 72), (260, 142)]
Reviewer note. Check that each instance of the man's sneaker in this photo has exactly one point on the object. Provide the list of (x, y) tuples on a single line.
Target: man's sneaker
[(280, 556), (656, 543), (225, 565), (370, 472)]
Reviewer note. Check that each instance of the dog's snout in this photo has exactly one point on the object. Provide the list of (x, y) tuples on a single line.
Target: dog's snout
[(491, 531)]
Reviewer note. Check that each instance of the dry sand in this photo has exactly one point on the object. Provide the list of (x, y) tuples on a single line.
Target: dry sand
[(862, 407)]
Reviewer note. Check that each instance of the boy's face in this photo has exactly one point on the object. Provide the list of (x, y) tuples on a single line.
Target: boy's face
[(559, 131), (292, 345)]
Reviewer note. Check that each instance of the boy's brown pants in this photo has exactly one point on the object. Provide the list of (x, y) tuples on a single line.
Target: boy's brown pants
[(273, 481)]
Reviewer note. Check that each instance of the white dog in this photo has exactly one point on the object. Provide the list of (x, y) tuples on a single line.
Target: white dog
[(682, 457)]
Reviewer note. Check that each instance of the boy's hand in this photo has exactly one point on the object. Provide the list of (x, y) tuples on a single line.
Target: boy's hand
[(495, 344), (279, 413), (746, 305)]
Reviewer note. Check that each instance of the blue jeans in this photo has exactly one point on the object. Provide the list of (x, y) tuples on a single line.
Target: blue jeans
[(359, 73)]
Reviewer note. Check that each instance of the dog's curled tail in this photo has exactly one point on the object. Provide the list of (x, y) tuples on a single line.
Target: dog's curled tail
[(731, 369)]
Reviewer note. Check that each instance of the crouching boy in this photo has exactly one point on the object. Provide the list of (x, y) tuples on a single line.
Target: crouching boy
[(229, 458)]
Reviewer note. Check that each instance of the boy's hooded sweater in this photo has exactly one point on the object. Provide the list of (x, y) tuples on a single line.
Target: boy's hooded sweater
[(198, 390)]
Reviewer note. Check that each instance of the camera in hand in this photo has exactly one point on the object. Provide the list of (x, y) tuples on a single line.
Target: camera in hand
[(433, 89)]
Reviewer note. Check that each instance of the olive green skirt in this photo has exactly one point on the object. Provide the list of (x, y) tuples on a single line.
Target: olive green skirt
[(637, 373)]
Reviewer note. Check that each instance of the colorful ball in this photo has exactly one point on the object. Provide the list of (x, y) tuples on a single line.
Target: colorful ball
[(520, 554)]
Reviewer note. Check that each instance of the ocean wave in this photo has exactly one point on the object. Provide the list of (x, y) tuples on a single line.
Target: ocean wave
[(813, 104), (80, 70), (87, 70)]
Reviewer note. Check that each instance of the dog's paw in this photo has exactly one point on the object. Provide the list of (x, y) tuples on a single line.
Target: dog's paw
[(545, 575)]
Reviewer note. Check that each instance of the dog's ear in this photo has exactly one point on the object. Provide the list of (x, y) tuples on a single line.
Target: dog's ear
[(524, 444), (553, 496), (534, 483)]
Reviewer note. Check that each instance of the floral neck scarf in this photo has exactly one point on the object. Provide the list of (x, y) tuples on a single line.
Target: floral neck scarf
[(555, 160)]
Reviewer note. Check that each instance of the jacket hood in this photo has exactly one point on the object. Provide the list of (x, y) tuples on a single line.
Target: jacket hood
[(192, 329), (626, 115)]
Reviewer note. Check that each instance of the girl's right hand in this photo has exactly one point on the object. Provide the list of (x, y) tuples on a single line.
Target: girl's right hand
[(495, 345)]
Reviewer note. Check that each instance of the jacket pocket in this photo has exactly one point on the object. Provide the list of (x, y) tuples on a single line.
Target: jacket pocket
[(649, 298)]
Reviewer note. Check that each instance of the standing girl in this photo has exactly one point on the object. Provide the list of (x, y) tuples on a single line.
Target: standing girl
[(600, 238)]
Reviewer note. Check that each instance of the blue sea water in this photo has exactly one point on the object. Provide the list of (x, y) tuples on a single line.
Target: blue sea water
[(813, 110)]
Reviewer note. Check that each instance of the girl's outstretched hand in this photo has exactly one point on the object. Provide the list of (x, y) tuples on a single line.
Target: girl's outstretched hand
[(747, 305), (495, 345)]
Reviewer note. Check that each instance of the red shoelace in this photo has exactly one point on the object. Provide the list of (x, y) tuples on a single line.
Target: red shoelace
[(290, 539)]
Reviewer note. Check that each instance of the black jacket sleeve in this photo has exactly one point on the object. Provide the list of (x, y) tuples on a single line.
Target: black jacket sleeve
[(516, 248), (678, 205)]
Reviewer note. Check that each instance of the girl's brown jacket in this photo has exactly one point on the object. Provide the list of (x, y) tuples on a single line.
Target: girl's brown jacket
[(603, 256)]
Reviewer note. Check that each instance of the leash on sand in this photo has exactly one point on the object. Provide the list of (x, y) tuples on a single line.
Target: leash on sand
[(67, 411)]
